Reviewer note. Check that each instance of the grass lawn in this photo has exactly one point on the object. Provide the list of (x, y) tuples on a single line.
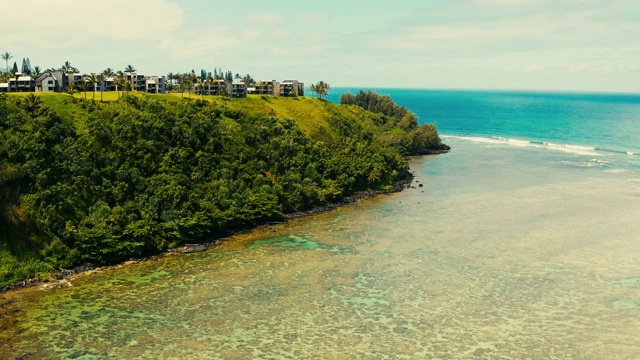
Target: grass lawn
[(310, 113)]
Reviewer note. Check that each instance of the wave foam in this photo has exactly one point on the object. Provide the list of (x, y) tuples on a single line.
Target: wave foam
[(574, 149)]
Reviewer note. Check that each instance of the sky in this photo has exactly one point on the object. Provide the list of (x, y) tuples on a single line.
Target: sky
[(558, 45)]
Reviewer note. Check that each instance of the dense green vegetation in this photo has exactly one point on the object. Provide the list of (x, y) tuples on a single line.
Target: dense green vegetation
[(101, 182), (407, 136)]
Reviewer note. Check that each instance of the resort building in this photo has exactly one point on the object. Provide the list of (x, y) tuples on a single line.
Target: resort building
[(217, 87), (238, 90), (266, 87), (137, 81), (58, 81), (291, 88), (75, 79), (21, 83), (109, 84), (154, 85), (52, 81)]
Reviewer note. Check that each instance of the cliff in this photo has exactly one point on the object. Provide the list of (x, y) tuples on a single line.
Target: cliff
[(102, 182)]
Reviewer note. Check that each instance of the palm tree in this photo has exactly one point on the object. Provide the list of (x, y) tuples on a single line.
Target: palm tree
[(130, 69), (70, 89), (238, 76), (68, 68), (170, 77), (37, 71), (210, 81), (94, 80), (200, 86), (199, 82), (106, 73), (185, 84), (127, 87), (101, 79), (6, 57), (31, 103), (83, 86), (322, 89), (120, 81), (248, 80), (313, 88)]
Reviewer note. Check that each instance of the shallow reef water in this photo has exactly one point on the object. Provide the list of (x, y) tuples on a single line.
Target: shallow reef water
[(504, 253)]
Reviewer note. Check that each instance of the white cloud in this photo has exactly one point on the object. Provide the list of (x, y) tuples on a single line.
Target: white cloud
[(312, 17), (532, 68), (264, 18), (72, 23), (503, 2)]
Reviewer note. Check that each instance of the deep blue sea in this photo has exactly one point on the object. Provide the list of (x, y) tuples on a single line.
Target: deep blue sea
[(604, 127)]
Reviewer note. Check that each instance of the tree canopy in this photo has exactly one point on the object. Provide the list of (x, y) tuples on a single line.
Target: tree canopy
[(105, 182)]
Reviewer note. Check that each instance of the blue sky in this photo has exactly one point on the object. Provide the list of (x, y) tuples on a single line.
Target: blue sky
[(583, 45)]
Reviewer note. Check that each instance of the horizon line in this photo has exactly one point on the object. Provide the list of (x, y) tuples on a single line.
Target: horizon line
[(515, 90)]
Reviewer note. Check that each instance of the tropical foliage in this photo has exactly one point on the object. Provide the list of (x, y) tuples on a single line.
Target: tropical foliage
[(321, 89), (104, 182), (404, 133)]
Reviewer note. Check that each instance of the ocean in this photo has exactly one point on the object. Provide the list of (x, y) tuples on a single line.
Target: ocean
[(522, 242), (605, 126)]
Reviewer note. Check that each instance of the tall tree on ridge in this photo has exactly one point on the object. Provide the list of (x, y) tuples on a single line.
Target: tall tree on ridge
[(200, 86), (93, 80), (68, 68), (31, 103), (106, 73), (6, 57), (248, 80), (130, 69), (185, 83), (120, 82), (70, 89), (101, 79), (83, 86), (313, 88), (210, 81), (26, 66)]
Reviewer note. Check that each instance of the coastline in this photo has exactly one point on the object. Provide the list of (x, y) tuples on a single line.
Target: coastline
[(59, 278)]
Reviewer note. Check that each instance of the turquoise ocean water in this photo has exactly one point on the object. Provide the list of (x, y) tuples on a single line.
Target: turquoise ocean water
[(605, 126), (522, 243)]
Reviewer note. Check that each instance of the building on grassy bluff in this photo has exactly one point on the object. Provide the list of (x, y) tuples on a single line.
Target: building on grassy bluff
[(58, 81), (19, 83), (291, 88), (266, 87), (213, 87), (155, 85), (238, 89), (52, 81)]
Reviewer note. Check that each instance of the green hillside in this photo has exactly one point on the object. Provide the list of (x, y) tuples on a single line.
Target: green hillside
[(105, 181)]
